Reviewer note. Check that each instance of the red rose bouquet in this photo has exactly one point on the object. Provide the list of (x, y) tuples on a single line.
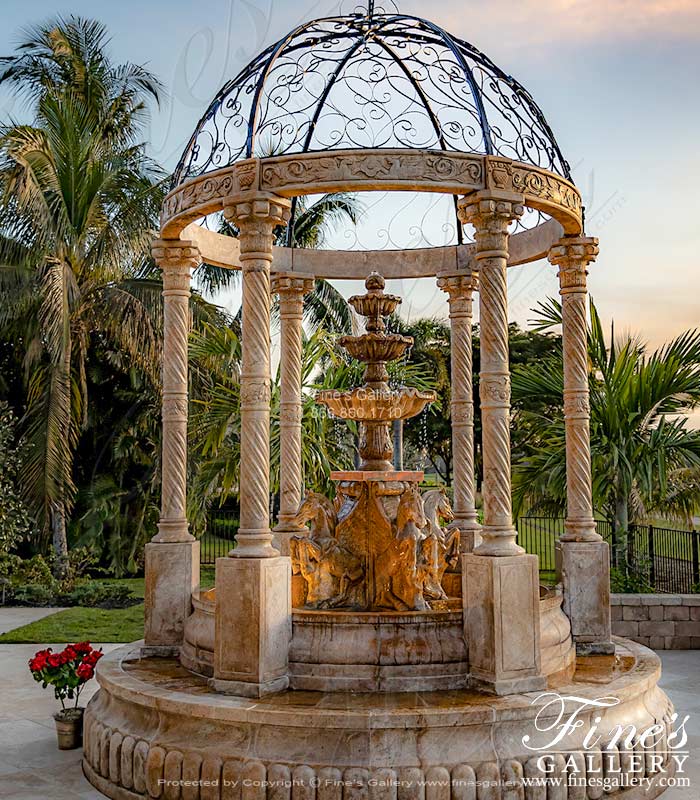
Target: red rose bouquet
[(67, 671)]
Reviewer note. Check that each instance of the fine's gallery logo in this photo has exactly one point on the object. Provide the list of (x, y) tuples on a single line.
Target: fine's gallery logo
[(593, 748)]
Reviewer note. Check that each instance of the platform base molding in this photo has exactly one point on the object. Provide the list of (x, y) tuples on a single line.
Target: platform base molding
[(154, 730)]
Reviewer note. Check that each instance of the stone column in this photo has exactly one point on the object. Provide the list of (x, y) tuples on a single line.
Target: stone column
[(253, 584), (460, 287), (256, 219), (491, 218), (498, 577), (583, 558), (291, 288), (172, 557)]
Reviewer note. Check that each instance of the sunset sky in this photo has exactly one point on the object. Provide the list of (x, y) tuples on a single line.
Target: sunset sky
[(617, 81)]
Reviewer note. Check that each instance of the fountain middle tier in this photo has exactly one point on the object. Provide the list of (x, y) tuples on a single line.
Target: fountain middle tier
[(365, 404)]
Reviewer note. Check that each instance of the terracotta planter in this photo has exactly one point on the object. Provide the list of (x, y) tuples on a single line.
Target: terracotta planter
[(69, 728)]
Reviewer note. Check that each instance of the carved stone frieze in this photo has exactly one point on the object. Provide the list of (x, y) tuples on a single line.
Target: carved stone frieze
[(495, 391), (254, 392), (378, 167), (199, 192)]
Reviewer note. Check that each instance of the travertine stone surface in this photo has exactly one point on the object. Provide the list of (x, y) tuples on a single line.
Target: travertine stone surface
[(584, 570), (460, 288), (253, 625), (172, 575), (424, 262), (491, 213), (373, 170), (256, 216), (176, 260), (572, 256), (380, 651), (291, 288), (504, 646), (152, 722)]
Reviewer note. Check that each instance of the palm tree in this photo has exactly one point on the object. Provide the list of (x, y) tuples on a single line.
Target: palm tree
[(645, 459), (79, 202)]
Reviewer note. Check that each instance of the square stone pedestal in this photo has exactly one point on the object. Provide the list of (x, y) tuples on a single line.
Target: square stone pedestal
[(253, 625), (172, 574), (584, 570), (502, 623)]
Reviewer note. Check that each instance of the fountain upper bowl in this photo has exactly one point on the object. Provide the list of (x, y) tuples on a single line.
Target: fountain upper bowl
[(376, 347), (370, 405)]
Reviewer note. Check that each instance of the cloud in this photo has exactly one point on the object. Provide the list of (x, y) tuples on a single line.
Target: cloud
[(561, 23)]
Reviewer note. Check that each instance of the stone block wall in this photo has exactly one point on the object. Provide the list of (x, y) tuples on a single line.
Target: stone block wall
[(659, 621)]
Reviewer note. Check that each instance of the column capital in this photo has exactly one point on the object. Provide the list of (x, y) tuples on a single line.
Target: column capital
[(175, 255), (490, 213), (257, 208), (489, 206), (572, 255), (458, 284), (291, 283)]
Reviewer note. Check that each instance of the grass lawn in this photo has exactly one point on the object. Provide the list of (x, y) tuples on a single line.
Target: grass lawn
[(92, 624)]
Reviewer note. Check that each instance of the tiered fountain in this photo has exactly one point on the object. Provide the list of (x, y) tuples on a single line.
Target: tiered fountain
[(380, 513)]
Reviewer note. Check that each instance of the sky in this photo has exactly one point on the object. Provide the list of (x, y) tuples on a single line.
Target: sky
[(616, 79)]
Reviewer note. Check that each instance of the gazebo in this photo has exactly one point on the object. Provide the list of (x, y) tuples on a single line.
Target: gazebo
[(371, 101)]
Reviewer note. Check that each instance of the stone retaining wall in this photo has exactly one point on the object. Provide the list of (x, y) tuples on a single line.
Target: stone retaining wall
[(659, 621)]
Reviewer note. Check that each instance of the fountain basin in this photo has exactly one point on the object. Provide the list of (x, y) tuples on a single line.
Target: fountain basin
[(368, 405), (155, 730), (381, 651)]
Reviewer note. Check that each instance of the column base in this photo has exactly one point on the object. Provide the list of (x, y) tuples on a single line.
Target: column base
[(173, 531), (504, 646), (172, 574), (253, 625), (469, 534), (283, 532), (499, 542), (584, 570), (502, 688), (253, 544), (245, 689)]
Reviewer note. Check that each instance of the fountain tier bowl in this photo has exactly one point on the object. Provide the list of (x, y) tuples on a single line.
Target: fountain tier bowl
[(370, 405), (372, 348), (373, 305)]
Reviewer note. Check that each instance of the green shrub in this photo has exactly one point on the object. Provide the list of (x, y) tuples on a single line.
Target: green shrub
[(629, 583), (95, 594), (33, 594), (33, 570)]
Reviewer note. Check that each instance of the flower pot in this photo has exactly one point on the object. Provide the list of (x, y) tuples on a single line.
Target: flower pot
[(69, 728)]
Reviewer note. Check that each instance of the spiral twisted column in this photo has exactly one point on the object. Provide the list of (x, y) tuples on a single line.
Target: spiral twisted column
[(176, 259), (572, 256), (460, 287), (256, 218), (491, 213), (291, 288)]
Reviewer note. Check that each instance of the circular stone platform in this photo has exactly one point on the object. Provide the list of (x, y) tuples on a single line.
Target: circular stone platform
[(156, 730)]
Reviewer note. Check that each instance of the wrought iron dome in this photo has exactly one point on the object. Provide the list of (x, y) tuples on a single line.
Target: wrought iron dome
[(368, 80)]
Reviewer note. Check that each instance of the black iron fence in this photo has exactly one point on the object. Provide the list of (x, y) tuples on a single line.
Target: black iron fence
[(221, 532), (662, 559)]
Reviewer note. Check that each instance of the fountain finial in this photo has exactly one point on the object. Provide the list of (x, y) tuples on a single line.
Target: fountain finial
[(374, 282)]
